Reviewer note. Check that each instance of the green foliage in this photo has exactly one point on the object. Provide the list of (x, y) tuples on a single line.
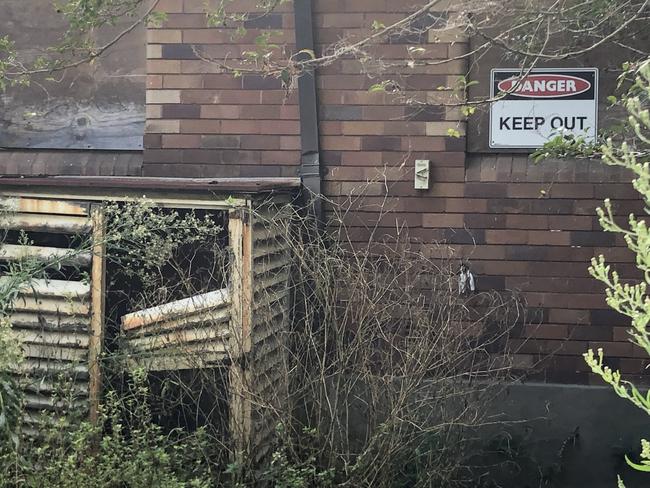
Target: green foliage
[(10, 399), (285, 472), (566, 146), (630, 299), (126, 448), (143, 235)]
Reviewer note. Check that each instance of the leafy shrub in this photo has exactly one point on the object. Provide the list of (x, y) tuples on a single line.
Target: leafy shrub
[(629, 298), (124, 449)]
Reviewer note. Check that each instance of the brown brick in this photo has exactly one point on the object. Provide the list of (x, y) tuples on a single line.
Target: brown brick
[(254, 82), (590, 333), (442, 220), (219, 142), (380, 113), (169, 6), (547, 331), (162, 66), (179, 51), (362, 128), (343, 143), (527, 221), (341, 20), (154, 111), (222, 81), (182, 81), (570, 222), (181, 141), (290, 142), (163, 36), (205, 36), (162, 126), (154, 51), (152, 141), (185, 21), (162, 156), (330, 128), (614, 349), (163, 96), (267, 21), (427, 113), (279, 127), (485, 221), (506, 236), (260, 112), (221, 111), (181, 111), (199, 126), (154, 81), (466, 205), (260, 142), (549, 238)]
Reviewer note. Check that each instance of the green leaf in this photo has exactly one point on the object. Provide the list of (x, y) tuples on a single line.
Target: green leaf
[(644, 466)]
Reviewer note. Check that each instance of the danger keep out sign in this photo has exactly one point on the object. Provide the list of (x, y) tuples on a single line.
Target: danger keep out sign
[(541, 105)]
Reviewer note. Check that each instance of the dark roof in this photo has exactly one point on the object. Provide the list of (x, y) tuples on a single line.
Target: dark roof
[(243, 185)]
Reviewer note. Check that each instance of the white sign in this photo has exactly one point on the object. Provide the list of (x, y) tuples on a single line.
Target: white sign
[(540, 104)]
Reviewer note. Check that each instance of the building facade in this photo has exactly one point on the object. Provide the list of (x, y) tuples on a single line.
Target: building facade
[(518, 225)]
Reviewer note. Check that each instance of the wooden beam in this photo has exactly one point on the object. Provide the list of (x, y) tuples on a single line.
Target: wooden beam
[(247, 282), (65, 256), (50, 305), (44, 206), (240, 239), (171, 310), (67, 224), (98, 292), (206, 319), (240, 412), (52, 288)]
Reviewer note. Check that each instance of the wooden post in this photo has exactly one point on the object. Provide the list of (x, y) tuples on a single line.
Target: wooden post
[(97, 293), (241, 279), (240, 411)]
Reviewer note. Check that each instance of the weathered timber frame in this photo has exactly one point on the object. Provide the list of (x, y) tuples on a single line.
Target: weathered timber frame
[(60, 322), (98, 297), (252, 312)]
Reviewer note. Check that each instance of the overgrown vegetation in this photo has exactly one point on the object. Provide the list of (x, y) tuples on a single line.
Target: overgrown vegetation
[(382, 376), (629, 298)]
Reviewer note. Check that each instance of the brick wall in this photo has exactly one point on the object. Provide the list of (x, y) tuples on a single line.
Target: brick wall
[(524, 227), (202, 122)]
